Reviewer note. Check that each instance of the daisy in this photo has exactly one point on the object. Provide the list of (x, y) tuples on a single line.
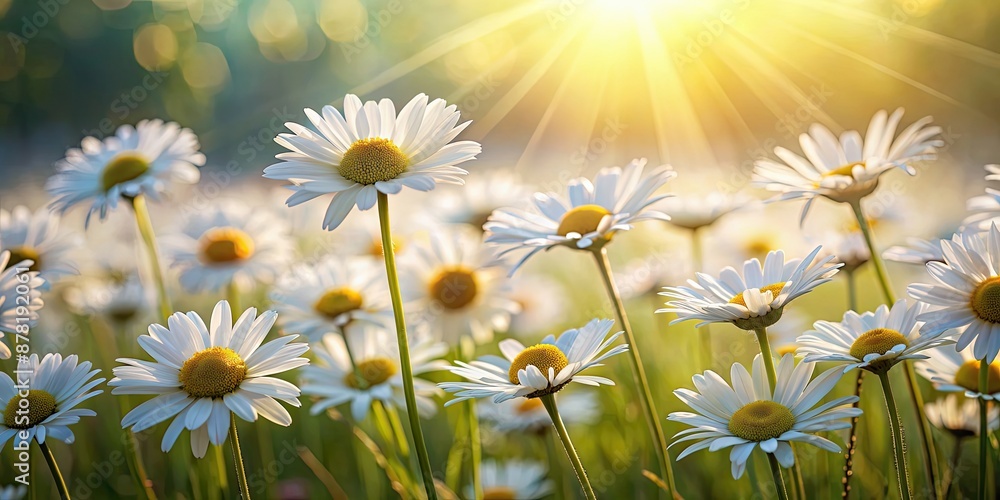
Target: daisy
[(697, 211), (754, 300), (140, 160), (588, 218), (316, 299), (481, 195), (966, 296), (374, 375), (120, 300), (874, 341), (35, 236), (538, 370), (55, 387), (958, 371), (15, 280), (458, 285), (228, 244), (847, 247), (917, 251), (202, 375), (749, 414), (847, 169), (520, 479), (541, 304), (645, 276), (529, 415), (984, 210), (959, 417), (369, 150), (992, 172)]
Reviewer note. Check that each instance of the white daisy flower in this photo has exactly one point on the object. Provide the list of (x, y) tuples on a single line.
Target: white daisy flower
[(992, 172), (529, 415), (874, 341), (541, 304), (120, 300), (697, 211), (17, 492), (482, 194), (15, 280), (513, 479), (916, 251), (201, 375), (370, 150), (647, 275), (749, 414), (316, 299), (35, 236), (958, 371), (140, 160), (592, 214), (984, 210), (966, 296), (458, 285), (960, 417), (847, 247), (847, 169), (538, 370), (376, 375), (229, 243), (56, 386), (755, 299)]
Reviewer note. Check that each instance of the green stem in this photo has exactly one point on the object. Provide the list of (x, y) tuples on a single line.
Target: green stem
[(956, 458), (638, 373), (852, 440), (704, 333), (241, 473), (779, 482), (475, 449), (404, 348), (984, 442), (149, 239), (765, 352), (57, 476), (233, 297), (549, 401), (895, 425), (866, 231)]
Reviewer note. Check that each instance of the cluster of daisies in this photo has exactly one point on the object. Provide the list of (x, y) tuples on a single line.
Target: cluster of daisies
[(363, 339)]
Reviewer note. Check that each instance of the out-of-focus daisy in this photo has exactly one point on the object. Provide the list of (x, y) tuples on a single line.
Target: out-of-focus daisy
[(744, 235), (874, 341), (56, 386), (458, 285), (749, 414), (13, 492), (529, 415), (14, 277), (647, 275), (482, 194), (966, 296), (541, 304), (591, 215), (538, 370), (119, 300), (375, 373), (316, 299), (204, 374), (754, 299), (370, 150), (847, 169), (960, 417), (35, 236), (958, 371), (847, 247), (783, 335), (229, 243), (916, 251), (140, 160), (697, 211), (513, 479), (984, 210)]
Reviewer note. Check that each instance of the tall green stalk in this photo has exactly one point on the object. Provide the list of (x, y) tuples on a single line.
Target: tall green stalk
[(895, 425), (145, 225), (779, 482), (549, 400), (241, 472), (57, 476), (984, 434), (772, 379), (404, 347), (638, 372)]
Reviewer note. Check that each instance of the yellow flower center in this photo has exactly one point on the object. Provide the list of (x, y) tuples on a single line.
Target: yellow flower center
[(368, 161), (454, 287), (338, 301), (877, 341), (541, 356), (37, 407), (529, 406), (499, 493), (761, 420), (774, 288), (376, 249), (844, 170), (19, 254), (582, 219), (123, 168), (759, 245), (786, 349), (986, 300), (223, 245), (371, 372), (968, 376), (213, 373)]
